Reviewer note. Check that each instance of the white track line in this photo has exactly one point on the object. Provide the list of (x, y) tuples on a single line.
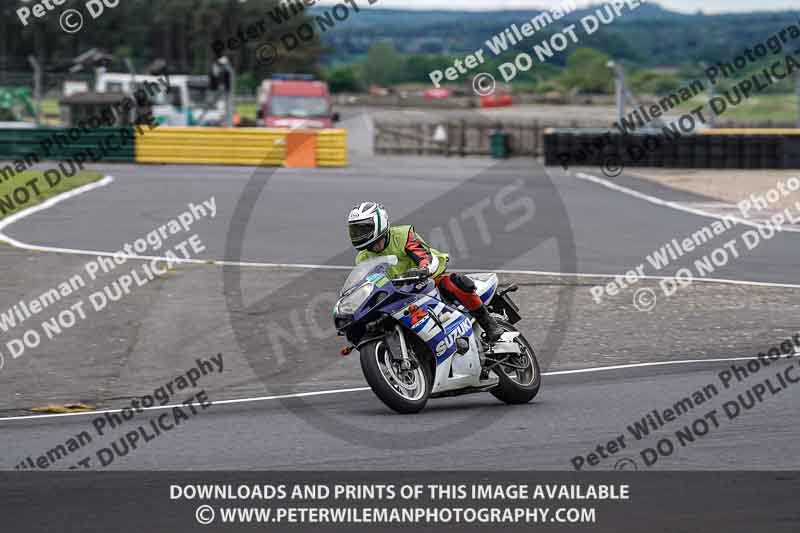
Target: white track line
[(50, 202), (606, 276), (657, 363), (362, 389), (108, 179), (672, 205)]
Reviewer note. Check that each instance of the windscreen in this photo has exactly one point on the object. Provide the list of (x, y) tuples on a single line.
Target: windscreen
[(298, 106), (363, 269)]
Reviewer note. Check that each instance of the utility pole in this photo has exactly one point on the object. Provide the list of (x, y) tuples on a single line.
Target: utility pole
[(797, 90), (624, 96), (229, 85), (37, 86), (619, 88), (712, 92), (135, 110)]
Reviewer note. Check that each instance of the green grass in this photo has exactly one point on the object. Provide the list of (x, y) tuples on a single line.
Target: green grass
[(50, 106), (20, 179), (247, 110), (781, 108)]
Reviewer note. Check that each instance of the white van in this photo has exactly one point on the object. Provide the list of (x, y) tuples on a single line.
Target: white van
[(188, 102)]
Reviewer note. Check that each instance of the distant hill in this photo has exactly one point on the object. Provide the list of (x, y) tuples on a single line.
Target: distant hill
[(649, 35)]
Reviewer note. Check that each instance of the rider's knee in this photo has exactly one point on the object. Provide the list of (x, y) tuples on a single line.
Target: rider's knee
[(463, 282)]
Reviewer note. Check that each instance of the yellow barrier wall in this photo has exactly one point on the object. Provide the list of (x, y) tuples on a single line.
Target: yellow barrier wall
[(332, 148), (750, 131), (233, 146)]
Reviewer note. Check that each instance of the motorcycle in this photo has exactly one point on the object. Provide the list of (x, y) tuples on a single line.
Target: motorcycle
[(415, 345)]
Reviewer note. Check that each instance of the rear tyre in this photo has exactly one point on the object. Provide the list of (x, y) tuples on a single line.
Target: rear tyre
[(405, 391), (521, 378)]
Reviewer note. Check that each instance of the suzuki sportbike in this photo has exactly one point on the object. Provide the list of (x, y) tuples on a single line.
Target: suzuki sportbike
[(415, 345)]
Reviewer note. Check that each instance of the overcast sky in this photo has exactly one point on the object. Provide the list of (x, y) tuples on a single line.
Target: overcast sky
[(686, 6)]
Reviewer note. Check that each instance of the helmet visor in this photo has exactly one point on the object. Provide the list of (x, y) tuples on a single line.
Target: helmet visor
[(361, 232)]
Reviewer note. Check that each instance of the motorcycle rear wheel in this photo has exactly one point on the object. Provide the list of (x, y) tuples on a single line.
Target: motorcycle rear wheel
[(521, 383), (404, 391)]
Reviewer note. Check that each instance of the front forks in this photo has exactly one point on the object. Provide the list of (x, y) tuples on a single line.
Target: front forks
[(399, 349)]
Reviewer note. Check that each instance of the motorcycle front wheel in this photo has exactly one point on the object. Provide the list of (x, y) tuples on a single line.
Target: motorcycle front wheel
[(404, 390)]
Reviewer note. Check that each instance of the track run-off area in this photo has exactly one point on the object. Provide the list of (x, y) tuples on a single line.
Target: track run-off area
[(614, 391)]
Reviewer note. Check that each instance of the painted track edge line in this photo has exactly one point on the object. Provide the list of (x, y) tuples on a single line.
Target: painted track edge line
[(254, 264), (362, 389), (673, 205), (50, 202)]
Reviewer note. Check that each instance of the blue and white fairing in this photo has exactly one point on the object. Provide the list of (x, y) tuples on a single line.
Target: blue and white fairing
[(414, 306), (453, 370)]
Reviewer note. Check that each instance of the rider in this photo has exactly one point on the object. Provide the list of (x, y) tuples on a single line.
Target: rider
[(372, 235)]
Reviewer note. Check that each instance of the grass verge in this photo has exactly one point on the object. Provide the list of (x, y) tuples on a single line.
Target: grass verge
[(9, 205), (780, 108)]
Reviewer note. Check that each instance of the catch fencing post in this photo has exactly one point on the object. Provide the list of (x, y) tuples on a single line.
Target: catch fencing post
[(797, 91), (37, 86)]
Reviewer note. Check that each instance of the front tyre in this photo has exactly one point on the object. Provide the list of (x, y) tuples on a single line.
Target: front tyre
[(520, 378), (404, 390)]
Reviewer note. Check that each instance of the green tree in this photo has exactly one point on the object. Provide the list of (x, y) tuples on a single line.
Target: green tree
[(383, 65), (345, 78), (647, 81), (181, 32), (418, 66), (587, 70)]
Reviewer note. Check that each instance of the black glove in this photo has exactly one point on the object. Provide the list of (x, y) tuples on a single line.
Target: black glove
[(420, 273)]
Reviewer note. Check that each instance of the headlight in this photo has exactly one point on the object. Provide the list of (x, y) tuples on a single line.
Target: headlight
[(350, 303)]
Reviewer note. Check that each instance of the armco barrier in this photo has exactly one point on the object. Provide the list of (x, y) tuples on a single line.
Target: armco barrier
[(724, 148), (56, 144), (220, 146), (214, 146), (332, 148), (238, 146)]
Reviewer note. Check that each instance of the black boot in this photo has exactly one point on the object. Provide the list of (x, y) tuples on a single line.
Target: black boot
[(491, 328)]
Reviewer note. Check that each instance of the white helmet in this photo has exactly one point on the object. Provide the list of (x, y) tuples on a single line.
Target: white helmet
[(367, 223)]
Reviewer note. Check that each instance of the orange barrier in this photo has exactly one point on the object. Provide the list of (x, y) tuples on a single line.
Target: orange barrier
[(301, 149)]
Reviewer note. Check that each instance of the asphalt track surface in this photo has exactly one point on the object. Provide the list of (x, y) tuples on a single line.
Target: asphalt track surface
[(298, 219), (573, 416), (298, 215)]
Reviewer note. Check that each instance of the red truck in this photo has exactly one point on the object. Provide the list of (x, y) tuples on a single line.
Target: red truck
[(295, 101)]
